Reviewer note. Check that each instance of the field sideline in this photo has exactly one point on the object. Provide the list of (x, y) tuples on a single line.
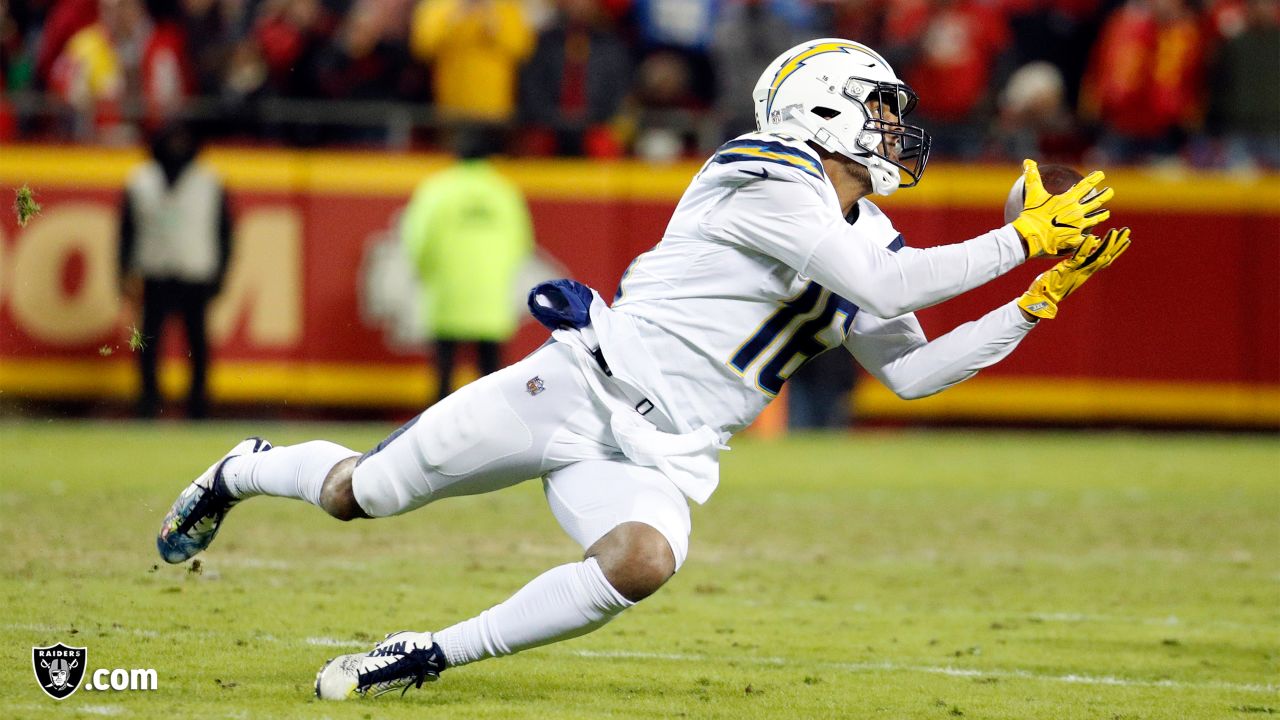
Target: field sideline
[(875, 575)]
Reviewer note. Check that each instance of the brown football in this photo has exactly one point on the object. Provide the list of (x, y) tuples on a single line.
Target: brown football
[(1057, 179)]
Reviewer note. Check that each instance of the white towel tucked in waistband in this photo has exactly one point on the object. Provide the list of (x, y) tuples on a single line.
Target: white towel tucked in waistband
[(691, 460)]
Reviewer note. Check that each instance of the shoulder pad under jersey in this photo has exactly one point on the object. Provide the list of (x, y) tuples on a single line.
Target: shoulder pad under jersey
[(762, 156), (875, 224)]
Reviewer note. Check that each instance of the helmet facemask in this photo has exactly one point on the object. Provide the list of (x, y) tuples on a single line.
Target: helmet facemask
[(894, 153)]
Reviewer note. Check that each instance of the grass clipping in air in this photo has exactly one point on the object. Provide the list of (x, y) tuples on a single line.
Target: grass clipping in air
[(137, 341), (25, 205)]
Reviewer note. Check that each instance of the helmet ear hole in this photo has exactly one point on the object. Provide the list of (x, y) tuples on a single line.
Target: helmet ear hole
[(824, 112)]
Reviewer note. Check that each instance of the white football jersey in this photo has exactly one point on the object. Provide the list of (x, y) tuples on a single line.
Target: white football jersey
[(758, 272)]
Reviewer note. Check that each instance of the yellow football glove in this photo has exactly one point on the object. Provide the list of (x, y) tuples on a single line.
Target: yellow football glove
[(1049, 289), (1054, 224)]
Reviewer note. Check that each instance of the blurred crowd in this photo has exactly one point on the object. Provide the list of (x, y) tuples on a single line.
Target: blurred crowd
[(1179, 81)]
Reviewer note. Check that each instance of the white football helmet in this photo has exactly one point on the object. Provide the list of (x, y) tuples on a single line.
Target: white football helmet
[(819, 91)]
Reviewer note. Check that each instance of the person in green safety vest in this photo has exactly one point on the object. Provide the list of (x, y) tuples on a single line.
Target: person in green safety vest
[(467, 232)]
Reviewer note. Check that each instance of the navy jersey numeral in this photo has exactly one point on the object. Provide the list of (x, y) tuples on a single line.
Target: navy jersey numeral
[(796, 331)]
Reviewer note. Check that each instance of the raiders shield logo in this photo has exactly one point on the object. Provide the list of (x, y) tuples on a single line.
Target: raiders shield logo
[(59, 669)]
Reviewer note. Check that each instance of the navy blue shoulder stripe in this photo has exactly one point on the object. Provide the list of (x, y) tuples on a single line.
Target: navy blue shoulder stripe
[(768, 151)]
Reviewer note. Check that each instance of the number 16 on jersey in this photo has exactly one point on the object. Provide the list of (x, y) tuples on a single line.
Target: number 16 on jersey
[(803, 327)]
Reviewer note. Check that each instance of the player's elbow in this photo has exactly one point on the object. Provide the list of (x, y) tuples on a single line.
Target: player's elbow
[(912, 389), (887, 306), (913, 393)]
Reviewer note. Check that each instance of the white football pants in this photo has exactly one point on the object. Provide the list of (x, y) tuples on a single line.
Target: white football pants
[(536, 418)]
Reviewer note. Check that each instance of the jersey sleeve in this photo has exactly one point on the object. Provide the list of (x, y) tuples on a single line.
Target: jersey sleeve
[(787, 217), (778, 214), (897, 353)]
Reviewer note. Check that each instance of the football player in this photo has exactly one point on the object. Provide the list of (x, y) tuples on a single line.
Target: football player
[(774, 254)]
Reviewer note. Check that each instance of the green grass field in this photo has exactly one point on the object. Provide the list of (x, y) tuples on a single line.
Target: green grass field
[(876, 575)]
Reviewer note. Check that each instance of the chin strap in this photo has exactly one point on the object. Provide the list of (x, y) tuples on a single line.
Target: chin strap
[(889, 179)]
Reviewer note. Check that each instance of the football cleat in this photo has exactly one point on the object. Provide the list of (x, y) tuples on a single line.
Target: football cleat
[(404, 659), (197, 514)]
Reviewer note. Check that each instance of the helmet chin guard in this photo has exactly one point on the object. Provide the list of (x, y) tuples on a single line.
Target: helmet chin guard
[(844, 97)]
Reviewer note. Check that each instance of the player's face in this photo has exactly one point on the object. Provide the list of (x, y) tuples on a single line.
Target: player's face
[(890, 145)]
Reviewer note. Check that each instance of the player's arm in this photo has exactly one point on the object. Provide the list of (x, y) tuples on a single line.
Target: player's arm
[(1052, 287), (789, 220), (897, 353)]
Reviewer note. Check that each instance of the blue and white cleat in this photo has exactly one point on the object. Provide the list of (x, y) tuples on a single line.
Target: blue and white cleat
[(404, 659), (198, 512)]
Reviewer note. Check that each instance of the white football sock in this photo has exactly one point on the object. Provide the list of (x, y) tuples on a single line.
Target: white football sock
[(294, 471), (562, 603)]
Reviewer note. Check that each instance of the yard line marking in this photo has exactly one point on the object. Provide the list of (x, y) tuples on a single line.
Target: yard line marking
[(884, 666), (1166, 621), (255, 563), (148, 633), (251, 562), (948, 670), (1069, 678), (39, 627), (101, 709), (625, 654), (1062, 617), (335, 642)]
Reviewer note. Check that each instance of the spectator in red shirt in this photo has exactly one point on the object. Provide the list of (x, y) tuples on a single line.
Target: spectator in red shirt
[(1144, 84), (167, 73), (955, 52), (67, 18), (291, 35)]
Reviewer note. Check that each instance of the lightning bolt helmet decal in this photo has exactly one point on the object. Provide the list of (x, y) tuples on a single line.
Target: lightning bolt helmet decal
[(820, 48)]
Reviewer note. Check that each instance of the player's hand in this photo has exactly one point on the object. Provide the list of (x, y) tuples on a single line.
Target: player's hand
[(1050, 288), (1054, 224)]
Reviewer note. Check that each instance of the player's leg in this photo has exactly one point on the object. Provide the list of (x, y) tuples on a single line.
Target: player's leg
[(197, 514), (634, 525), (490, 434), (505, 428), (301, 472)]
